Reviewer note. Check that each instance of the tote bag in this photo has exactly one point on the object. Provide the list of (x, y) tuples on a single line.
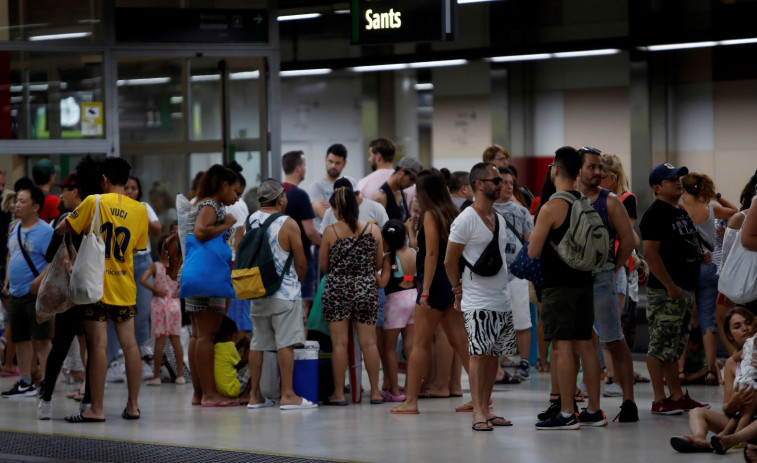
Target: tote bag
[(89, 268), (739, 274), (207, 269), (52, 297)]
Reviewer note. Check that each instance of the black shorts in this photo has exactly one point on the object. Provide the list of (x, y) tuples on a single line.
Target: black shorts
[(440, 296), (568, 313), (101, 312)]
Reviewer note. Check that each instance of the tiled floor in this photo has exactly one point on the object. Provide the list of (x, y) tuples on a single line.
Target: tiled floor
[(369, 433)]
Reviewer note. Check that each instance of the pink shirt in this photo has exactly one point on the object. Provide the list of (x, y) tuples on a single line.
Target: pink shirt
[(369, 185)]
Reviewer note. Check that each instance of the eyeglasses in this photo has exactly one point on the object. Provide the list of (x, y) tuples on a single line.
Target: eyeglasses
[(588, 149), (495, 180)]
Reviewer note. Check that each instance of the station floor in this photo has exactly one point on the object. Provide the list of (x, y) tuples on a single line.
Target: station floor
[(363, 432)]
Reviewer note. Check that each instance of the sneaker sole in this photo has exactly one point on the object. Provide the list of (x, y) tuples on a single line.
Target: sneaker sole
[(572, 427), (594, 424), (705, 406), (611, 394), (671, 412), (522, 377), (21, 396)]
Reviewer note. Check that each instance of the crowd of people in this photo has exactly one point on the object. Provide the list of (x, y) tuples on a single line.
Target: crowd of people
[(416, 262)]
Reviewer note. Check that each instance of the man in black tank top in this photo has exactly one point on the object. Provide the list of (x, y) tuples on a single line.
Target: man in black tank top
[(567, 303), (606, 310), (391, 194)]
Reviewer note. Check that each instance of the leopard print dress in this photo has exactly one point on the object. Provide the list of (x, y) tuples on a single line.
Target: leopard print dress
[(351, 291)]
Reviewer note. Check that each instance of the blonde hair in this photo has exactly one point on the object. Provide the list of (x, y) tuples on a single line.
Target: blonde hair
[(491, 152), (9, 197), (614, 166)]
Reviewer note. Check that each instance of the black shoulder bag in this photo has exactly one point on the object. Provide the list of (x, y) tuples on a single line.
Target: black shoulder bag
[(490, 261)]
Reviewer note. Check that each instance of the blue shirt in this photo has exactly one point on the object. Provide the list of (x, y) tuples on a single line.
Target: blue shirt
[(36, 240)]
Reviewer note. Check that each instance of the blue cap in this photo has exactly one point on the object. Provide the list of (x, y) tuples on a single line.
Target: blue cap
[(666, 171)]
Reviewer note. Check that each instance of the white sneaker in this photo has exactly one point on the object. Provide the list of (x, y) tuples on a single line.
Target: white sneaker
[(147, 372), (613, 390), (115, 373), (45, 410)]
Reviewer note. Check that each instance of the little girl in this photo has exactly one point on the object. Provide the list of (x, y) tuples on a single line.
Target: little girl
[(165, 313), (398, 280)]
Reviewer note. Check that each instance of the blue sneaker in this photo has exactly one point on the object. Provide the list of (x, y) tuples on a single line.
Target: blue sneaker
[(596, 419), (523, 371), (559, 422)]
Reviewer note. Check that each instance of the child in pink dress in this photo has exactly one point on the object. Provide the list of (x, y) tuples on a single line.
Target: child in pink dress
[(165, 313)]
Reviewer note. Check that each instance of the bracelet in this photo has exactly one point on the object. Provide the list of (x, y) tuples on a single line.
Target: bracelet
[(424, 295)]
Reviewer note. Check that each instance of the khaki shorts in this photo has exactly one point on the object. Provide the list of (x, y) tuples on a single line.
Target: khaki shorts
[(22, 317), (276, 323), (669, 324)]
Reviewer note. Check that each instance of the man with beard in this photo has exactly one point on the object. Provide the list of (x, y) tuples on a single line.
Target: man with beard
[(380, 156), (483, 294), (606, 313), (321, 190)]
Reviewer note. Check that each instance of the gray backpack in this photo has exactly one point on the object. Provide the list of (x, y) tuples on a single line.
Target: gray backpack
[(586, 244)]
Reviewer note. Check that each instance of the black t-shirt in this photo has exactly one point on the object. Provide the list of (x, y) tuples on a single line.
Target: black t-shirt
[(630, 204), (556, 273), (299, 208), (679, 247)]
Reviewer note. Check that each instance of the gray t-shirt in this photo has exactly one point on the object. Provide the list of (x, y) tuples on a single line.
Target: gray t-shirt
[(518, 218), (322, 189), (370, 211)]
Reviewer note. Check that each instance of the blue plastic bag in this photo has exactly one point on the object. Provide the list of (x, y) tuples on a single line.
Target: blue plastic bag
[(207, 269)]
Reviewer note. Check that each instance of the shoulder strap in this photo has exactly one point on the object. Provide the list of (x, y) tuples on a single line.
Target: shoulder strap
[(23, 251), (96, 219), (512, 229), (271, 218), (564, 195)]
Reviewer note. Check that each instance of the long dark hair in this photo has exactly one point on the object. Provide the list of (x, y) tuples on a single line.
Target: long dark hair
[(344, 202), (395, 235), (750, 189), (214, 179), (433, 196), (139, 186), (748, 319)]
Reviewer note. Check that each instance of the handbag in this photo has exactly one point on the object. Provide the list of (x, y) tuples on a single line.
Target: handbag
[(526, 268), (89, 268), (52, 297), (490, 261), (737, 279), (315, 317), (207, 269)]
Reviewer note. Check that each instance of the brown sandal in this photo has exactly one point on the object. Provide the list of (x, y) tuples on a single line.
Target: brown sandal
[(711, 378)]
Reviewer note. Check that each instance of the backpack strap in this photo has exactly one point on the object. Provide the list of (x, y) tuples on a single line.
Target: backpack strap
[(564, 195)]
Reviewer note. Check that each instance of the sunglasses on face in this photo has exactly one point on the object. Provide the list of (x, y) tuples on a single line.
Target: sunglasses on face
[(495, 180)]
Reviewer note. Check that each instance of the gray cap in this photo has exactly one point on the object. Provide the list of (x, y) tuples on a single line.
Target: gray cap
[(270, 189), (342, 181), (411, 165)]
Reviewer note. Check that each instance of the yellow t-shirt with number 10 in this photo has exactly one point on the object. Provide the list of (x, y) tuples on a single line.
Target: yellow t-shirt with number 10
[(123, 227)]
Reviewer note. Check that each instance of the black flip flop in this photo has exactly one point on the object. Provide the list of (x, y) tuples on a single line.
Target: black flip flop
[(491, 420), (508, 379), (688, 445), (339, 403), (481, 429), (717, 445), (129, 416), (79, 418)]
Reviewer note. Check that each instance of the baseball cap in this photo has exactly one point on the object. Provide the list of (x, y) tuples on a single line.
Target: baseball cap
[(411, 165), (345, 181), (666, 171), (69, 182), (44, 167), (270, 189)]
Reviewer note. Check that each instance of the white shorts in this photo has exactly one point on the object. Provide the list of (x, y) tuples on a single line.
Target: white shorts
[(519, 302)]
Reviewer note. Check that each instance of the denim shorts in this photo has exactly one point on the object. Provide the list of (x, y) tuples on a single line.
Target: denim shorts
[(380, 316), (607, 307), (707, 297)]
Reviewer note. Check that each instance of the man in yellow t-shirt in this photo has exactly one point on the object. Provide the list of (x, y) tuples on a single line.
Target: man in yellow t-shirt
[(123, 227)]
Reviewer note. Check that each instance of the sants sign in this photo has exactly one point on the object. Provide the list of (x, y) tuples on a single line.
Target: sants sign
[(393, 21)]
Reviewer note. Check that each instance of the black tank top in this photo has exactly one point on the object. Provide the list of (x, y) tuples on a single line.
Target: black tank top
[(420, 258), (394, 210), (558, 274)]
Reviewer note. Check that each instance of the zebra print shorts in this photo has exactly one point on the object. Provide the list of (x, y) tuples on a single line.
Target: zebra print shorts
[(490, 333)]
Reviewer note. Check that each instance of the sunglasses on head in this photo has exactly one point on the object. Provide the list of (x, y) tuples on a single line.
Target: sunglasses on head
[(588, 149)]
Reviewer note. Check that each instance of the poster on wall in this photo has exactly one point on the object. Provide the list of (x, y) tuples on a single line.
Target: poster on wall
[(92, 119), (462, 129)]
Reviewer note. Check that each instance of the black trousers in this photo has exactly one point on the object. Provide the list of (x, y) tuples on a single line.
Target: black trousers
[(68, 325)]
